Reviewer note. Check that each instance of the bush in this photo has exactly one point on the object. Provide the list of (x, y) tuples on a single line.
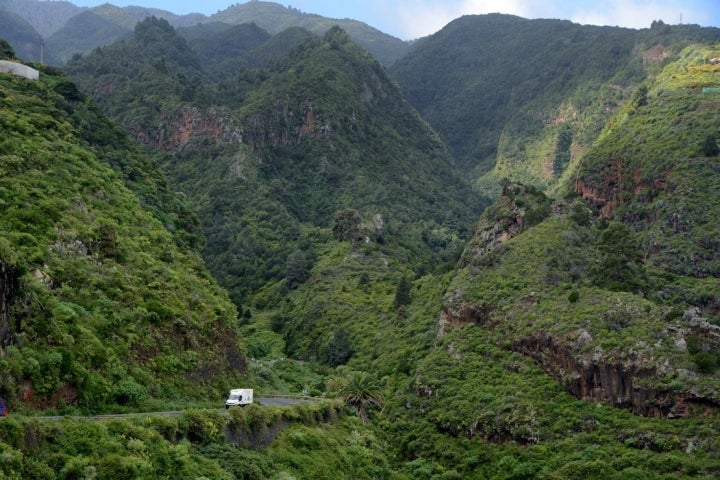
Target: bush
[(129, 392), (706, 362)]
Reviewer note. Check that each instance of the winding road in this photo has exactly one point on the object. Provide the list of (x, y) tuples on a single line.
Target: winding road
[(269, 401)]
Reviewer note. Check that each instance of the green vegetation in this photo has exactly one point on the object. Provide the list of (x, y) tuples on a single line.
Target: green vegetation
[(309, 441), (325, 134), (538, 338), (108, 307), (512, 104)]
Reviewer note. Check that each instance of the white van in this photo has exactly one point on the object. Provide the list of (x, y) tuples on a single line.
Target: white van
[(239, 397)]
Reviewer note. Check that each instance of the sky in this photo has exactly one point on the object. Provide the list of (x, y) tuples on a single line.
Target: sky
[(410, 19)]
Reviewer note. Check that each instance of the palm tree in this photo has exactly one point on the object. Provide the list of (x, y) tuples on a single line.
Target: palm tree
[(361, 392)]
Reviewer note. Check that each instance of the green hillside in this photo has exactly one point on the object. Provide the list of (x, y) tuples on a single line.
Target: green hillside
[(21, 35), (81, 34), (563, 309), (569, 330), (275, 18), (45, 16), (105, 302), (516, 98), (322, 133)]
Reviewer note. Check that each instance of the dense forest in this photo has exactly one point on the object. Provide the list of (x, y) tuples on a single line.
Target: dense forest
[(481, 255)]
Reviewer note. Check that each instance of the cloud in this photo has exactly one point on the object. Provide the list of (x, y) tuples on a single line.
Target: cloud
[(632, 15), (420, 18)]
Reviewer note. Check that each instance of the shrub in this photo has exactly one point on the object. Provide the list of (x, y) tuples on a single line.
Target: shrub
[(706, 362), (129, 392)]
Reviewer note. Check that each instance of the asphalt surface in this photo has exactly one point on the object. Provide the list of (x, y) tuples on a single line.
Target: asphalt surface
[(276, 401)]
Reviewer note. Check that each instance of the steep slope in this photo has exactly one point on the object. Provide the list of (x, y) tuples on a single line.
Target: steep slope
[(275, 18), (605, 298), (101, 304), (21, 35), (67, 35), (81, 34), (519, 98), (45, 16), (325, 132), (225, 49)]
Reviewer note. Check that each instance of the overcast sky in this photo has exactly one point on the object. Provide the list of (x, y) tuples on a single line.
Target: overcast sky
[(409, 19)]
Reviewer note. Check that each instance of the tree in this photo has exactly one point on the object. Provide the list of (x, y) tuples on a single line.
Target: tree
[(402, 293), (6, 51), (297, 270), (619, 268), (361, 392), (339, 349), (347, 226), (710, 147), (640, 96)]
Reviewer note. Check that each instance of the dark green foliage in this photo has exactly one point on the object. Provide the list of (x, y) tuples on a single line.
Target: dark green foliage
[(706, 362), (402, 293), (6, 51), (359, 390), (562, 149), (346, 226), (639, 98), (710, 146), (620, 266), (339, 349), (297, 269)]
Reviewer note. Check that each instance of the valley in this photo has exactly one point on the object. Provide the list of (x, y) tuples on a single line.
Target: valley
[(491, 252)]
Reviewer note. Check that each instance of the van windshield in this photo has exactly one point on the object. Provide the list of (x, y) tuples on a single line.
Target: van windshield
[(235, 396)]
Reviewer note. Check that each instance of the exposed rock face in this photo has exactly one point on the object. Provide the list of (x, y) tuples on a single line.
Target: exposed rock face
[(191, 125), (597, 375), (507, 219), (607, 191), (8, 291), (612, 381)]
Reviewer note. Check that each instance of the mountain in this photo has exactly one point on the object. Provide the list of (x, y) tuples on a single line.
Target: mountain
[(45, 16), (602, 296), (519, 98), (105, 300), (238, 41), (275, 18), (82, 33), (71, 30), (21, 35), (323, 132), (567, 330), (103, 25)]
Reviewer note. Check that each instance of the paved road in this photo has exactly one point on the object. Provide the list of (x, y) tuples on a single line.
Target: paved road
[(274, 401), (279, 401)]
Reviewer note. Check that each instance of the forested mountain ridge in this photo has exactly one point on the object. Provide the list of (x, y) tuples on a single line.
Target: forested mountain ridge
[(275, 18), (520, 98), (608, 291), (321, 132), (571, 336), (105, 298), (69, 30)]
